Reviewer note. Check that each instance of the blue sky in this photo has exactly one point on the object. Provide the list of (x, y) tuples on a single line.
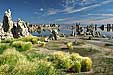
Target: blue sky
[(60, 11)]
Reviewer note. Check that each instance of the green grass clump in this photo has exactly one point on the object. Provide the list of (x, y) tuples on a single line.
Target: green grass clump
[(71, 62), (7, 40), (27, 46), (86, 64), (63, 63), (31, 56), (25, 67), (75, 57), (46, 68), (61, 60), (12, 62), (22, 46), (42, 44), (4, 69), (76, 67), (3, 46), (70, 45), (30, 38), (11, 57), (57, 55)]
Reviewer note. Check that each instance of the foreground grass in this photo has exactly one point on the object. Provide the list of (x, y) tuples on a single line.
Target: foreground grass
[(18, 58)]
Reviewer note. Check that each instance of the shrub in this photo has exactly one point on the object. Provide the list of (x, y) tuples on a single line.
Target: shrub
[(3, 46), (76, 67), (27, 46), (61, 60), (46, 68), (42, 44), (76, 57), (57, 55), (32, 39), (4, 69), (11, 57), (86, 64), (24, 67), (7, 40), (70, 62), (17, 44), (70, 45), (35, 55), (22, 46), (63, 63)]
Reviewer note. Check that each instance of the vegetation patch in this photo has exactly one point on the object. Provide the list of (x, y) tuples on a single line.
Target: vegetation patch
[(3, 46), (22, 46), (73, 63)]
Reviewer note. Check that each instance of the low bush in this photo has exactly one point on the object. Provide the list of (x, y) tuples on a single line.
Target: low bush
[(11, 57), (64, 63), (76, 67), (70, 45), (24, 67), (3, 46), (46, 68), (32, 39), (13, 62), (7, 40), (22, 46), (31, 56), (4, 69), (42, 44), (76, 57), (27, 46), (71, 62), (61, 60), (86, 64), (57, 55)]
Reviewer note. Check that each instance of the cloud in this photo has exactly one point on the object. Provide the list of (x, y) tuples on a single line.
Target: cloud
[(72, 10), (73, 3), (68, 9), (106, 15), (90, 21), (41, 9), (62, 19), (52, 11)]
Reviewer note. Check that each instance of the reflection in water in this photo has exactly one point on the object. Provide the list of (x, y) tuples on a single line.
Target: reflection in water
[(108, 31)]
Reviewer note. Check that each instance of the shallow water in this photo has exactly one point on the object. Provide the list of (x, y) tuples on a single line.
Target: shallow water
[(66, 29)]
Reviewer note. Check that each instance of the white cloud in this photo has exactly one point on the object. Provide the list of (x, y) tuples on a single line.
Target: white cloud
[(52, 11), (106, 15), (62, 19), (41, 9), (68, 9), (90, 21), (73, 3), (72, 10)]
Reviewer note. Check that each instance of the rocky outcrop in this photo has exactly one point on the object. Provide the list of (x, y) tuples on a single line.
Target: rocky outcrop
[(12, 29)]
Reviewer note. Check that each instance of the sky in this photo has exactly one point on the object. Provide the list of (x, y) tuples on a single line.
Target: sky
[(59, 11)]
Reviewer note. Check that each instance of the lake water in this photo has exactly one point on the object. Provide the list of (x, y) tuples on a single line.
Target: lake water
[(65, 29)]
